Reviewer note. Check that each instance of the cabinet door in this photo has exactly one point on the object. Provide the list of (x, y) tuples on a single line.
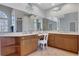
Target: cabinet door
[(70, 42), (6, 41), (34, 44), (51, 39), (67, 42), (25, 46), (59, 41), (7, 50), (7, 45), (78, 42), (0, 46)]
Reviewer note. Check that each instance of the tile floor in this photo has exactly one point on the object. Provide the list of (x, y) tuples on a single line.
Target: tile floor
[(52, 52)]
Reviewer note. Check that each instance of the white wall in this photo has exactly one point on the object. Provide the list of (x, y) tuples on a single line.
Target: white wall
[(78, 18), (27, 24)]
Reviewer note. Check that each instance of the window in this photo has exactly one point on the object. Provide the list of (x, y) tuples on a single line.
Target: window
[(3, 15), (13, 20), (37, 25), (3, 22)]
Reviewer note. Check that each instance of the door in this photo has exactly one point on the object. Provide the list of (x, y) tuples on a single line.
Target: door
[(19, 25)]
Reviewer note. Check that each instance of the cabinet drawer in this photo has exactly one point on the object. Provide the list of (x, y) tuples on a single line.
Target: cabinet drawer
[(51, 44), (8, 50), (7, 41)]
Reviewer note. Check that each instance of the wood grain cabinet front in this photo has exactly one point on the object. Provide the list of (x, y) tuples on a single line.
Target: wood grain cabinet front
[(67, 42), (8, 50), (64, 41), (6, 41), (7, 45), (0, 47), (51, 40), (78, 44), (26, 45), (71, 43), (59, 41)]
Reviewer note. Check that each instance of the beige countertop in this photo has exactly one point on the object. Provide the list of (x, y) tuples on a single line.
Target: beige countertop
[(15, 34), (27, 34), (54, 32), (65, 33)]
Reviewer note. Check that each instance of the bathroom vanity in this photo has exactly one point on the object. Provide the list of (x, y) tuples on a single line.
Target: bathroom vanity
[(18, 44), (23, 44), (65, 41)]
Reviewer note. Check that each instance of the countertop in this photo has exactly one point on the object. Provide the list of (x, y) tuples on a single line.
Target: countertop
[(55, 32), (17, 34), (69, 33)]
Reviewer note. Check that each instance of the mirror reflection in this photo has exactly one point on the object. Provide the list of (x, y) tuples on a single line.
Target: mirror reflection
[(58, 18)]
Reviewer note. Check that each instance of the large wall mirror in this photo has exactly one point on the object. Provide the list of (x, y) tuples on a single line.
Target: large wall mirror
[(44, 24), (63, 23)]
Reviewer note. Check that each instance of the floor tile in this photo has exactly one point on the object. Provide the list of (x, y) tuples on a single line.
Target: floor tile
[(52, 52)]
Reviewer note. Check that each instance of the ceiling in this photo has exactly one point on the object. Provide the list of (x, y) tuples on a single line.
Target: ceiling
[(44, 6), (47, 6), (44, 9)]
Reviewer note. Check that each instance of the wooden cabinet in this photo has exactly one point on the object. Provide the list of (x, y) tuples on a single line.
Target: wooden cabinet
[(18, 45), (70, 42), (9, 50), (67, 42), (7, 45), (51, 40), (0, 47), (64, 41), (78, 43), (26, 45), (6, 41), (59, 41)]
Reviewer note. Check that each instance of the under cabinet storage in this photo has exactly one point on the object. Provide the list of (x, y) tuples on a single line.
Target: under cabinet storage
[(78, 43), (7, 45), (8, 50), (26, 45), (59, 42), (67, 42), (51, 40), (7, 41), (64, 41)]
